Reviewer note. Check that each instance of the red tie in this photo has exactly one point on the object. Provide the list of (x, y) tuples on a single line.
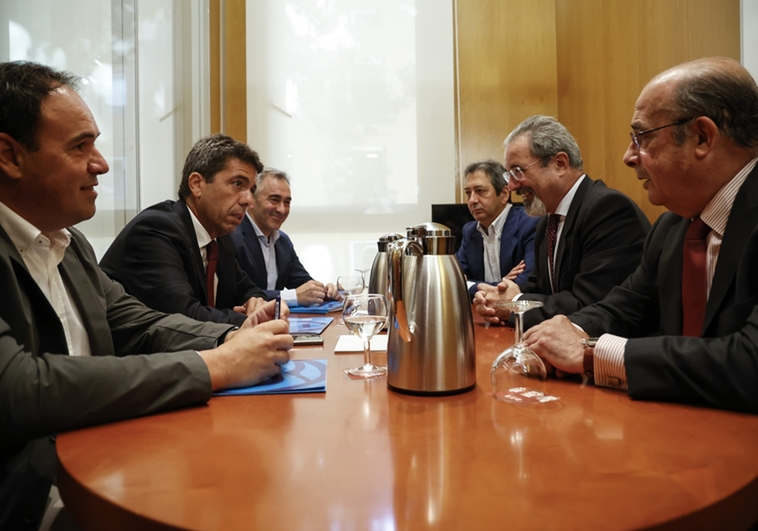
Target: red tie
[(694, 278), (552, 237), (212, 254)]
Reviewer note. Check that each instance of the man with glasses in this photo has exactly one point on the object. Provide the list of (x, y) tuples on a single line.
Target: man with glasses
[(589, 242), (266, 253), (684, 326)]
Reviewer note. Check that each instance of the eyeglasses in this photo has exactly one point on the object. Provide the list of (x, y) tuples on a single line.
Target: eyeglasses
[(517, 173), (636, 136)]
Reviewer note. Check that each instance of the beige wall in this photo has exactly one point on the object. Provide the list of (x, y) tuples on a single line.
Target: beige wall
[(583, 61)]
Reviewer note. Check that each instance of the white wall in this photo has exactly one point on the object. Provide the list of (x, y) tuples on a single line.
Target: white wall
[(749, 36)]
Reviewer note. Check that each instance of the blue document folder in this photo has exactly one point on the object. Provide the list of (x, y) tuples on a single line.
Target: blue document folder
[(309, 325), (326, 307), (298, 376)]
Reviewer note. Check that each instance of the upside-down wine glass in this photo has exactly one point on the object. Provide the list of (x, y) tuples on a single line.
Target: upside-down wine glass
[(349, 285), (365, 316), (514, 368)]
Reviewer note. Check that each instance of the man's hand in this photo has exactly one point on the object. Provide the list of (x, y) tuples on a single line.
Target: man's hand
[(559, 343), (331, 292), (252, 304), (312, 292), (516, 271), (487, 296), (250, 356), (262, 314)]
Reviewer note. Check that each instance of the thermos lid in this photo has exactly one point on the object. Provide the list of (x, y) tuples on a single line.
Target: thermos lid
[(387, 238), (429, 230)]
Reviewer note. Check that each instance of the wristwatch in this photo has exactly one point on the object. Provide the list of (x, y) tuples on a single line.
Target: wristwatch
[(589, 356)]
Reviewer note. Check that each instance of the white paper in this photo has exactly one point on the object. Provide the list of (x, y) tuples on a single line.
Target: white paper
[(353, 343)]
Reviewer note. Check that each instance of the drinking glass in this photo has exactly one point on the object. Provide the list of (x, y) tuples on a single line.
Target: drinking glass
[(518, 366), (365, 316), (350, 285)]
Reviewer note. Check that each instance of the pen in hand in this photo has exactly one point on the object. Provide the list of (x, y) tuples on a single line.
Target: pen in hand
[(278, 307)]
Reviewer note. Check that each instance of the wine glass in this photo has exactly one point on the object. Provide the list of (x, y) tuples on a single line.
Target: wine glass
[(516, 366), (365, 316), (350, 285), (363, 274)]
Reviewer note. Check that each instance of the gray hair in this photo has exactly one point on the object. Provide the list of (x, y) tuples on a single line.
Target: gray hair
[(270, 172), (494, 170), (547, 137)]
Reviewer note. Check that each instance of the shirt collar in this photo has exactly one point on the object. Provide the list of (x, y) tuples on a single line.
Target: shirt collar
[(203, 238), (22, 233), (716, 212), (274, 234), (497, 225), (565, 204)]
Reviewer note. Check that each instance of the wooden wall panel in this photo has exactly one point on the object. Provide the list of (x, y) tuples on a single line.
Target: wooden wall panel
[(506, 69), (228, 65), (608, 51)]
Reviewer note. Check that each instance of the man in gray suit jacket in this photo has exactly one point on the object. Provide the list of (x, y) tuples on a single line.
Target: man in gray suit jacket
[(684, 326), (72, 342)]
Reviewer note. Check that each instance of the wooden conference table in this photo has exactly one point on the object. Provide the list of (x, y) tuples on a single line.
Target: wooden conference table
[(363, 457)]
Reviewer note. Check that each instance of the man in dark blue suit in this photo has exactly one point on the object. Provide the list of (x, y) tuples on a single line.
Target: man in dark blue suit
[(165, 255), (266, 253), (500, 243)]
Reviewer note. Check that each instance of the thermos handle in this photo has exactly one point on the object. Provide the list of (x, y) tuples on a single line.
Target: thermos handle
[(396, 251)]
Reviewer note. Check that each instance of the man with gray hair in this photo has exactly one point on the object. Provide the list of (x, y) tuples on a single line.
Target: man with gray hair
[(267, 254), (589, 242)]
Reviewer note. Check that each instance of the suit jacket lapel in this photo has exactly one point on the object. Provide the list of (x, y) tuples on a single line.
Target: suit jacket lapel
[(197, 261), (254, 246), (670, 279), (508, 238), (568, 228), (742, 220), (89, 304)]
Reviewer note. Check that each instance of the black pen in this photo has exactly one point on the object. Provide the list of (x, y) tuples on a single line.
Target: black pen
[(278, 307)]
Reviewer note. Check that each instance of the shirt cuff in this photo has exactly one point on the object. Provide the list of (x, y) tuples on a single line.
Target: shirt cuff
[(610, 370), (289, 295)]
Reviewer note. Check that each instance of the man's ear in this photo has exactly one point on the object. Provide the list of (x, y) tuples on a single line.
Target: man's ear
[(562, 161), (706, 131), (10, 156), (196, 183)]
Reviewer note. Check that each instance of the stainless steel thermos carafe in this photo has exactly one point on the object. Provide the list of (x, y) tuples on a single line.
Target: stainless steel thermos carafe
[(431, 346)]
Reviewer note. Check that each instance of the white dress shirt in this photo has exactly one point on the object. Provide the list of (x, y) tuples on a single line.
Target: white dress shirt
[(491, 239), (269, 257), (203, 239), (42, 254)]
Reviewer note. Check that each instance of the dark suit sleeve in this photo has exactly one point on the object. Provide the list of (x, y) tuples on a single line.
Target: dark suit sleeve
[(526, 248), (463, 253), (49, 392), (610, 235), (719, 372)]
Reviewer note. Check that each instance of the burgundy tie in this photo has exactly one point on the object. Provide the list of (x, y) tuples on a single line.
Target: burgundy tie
[(552, 237), (694, 278), (212, 254)]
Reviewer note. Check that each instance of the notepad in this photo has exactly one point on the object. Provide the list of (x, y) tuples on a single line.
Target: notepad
[(298, 376), (309, 325), (355, 344)]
